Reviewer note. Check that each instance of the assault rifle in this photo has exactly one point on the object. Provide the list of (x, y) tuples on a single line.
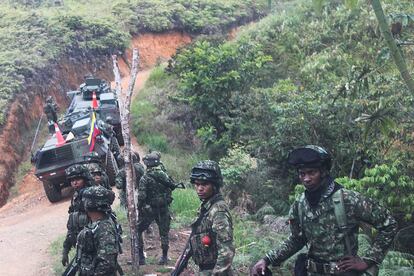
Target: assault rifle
[(183, 260), (180, 185), (72, 268)]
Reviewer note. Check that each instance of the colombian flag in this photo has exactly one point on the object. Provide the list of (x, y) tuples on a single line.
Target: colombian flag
[(95, 131)]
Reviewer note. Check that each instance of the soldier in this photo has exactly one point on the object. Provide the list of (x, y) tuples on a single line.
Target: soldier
[(212, 233), (50, 109), (79, 178), (120, 180), (99, 175), (326, 218), (154, 198), (98, 244)]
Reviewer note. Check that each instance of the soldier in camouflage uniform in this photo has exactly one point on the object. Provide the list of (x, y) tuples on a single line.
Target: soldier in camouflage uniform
[(154, 198), (120, 180), (211, 238), (99, 175), (50, 110), (98, 244), (314, 221), (79, 178)]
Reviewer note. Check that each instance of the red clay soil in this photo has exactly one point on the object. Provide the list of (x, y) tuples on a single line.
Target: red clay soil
[(29, 222)]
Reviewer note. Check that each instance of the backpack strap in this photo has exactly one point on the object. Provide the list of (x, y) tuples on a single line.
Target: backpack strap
[(340, 215)]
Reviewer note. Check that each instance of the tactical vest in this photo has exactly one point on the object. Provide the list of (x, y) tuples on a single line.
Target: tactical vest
[(204, 256), (342, 224), (158, 194)]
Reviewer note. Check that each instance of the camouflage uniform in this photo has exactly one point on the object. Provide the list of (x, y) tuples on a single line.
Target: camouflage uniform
[(77, 215), (215, 259), (96, 168), (120, 180), (50, 110), (317, 226), (154, 198), (211, 239), (98, 244)]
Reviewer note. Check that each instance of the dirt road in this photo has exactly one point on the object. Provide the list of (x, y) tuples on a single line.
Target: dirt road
[(29, 222)]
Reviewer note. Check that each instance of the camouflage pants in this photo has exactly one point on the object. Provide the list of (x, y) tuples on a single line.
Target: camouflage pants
[(123, 198), (162, 218)]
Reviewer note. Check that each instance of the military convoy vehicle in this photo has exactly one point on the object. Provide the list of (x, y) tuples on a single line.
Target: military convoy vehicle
[(56, 155)]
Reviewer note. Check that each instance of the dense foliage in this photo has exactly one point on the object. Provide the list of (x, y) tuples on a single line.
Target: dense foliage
[(300, 77)]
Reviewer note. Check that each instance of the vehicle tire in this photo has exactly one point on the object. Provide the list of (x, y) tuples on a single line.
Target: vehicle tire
[(111, 167), (53, 192)]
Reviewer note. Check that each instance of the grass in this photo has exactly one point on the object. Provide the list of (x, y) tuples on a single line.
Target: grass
[(184, 207)]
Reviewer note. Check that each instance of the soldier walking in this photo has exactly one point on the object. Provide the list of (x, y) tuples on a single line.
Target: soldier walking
[(211, 240), (326, 218), (120, 180), (79, 178), (154, 198), (98, 244)]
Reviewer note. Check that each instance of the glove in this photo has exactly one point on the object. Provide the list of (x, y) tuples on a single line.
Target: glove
[(65, 257)]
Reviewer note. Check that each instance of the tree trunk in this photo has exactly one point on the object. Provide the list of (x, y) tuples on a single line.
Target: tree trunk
[(395, 51), (125, 106)]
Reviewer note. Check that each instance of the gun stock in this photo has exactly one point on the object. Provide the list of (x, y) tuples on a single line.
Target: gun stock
[(183, 261), (72, 268)]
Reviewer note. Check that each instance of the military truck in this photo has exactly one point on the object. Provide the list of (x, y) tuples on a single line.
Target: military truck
[(52, 159), (57, 155), (107, 111)]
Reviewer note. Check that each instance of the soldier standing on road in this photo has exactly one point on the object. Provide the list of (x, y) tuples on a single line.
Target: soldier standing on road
[(211, 239), (99, 175), (79, 178), (154, 198), (98, 244), (120, 180), (326, 218)]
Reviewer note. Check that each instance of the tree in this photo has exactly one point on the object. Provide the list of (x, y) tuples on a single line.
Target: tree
[(385, 30), (125, 122)]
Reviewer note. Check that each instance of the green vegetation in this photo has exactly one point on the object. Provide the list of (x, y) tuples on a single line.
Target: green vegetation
[(304, 76), (184, 207), (35, 34)]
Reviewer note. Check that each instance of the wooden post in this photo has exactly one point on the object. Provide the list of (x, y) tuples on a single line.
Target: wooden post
[(125, 107)]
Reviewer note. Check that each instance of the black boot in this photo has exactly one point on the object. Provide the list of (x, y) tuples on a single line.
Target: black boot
[(141, 257), (164, 258)]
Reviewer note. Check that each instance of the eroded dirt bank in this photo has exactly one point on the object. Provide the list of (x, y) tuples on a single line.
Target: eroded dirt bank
[(29, 222)]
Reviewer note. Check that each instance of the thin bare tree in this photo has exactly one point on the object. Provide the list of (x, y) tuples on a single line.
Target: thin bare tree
[(125, 107)]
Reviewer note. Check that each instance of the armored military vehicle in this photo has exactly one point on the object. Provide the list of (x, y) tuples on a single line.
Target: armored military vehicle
[(74, 146), (107, 111)]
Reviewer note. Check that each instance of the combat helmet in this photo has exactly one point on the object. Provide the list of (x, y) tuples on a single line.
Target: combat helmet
[(78, 170), (94, 168), (152, 159), (310, 156), (97, 198), (207, 170)]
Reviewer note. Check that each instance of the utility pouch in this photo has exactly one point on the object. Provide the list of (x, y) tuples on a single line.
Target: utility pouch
[(300, 265)]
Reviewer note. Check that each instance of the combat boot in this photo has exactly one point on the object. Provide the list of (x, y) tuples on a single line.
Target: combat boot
[(141, 257), (164, 258)]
